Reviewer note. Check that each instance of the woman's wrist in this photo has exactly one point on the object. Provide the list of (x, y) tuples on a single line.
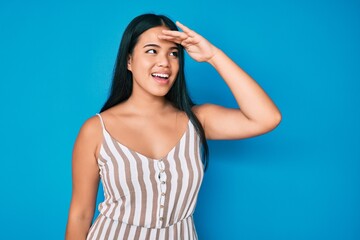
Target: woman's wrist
[(214, 58)]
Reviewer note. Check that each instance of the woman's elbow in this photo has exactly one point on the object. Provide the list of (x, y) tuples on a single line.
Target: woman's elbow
[(277, 118), (274, 121), (270, 122)]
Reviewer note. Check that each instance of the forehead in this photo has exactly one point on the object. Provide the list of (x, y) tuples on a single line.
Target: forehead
[(151, 36)]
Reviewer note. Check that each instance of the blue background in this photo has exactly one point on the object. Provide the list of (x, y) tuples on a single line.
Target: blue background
[(301, 181)]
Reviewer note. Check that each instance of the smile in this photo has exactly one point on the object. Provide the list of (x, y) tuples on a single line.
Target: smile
[(160, 75), (161, 78)]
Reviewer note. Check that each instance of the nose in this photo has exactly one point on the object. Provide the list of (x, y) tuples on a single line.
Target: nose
[(163, 61)]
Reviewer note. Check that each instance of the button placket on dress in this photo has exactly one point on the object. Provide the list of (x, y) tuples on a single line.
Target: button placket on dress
[(162, 182)]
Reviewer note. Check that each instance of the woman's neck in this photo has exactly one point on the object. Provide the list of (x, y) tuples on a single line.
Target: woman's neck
[(147, 105)]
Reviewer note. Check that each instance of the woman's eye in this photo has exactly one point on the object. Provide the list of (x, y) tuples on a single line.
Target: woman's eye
[(153, 51), (175, 54)]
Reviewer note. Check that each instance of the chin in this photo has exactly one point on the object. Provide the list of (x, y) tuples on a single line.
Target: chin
[(159, 93)]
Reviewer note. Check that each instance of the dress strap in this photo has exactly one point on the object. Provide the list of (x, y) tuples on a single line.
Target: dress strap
[(101, 120)]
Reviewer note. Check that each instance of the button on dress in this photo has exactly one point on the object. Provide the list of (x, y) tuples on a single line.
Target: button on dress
[(148, 198)]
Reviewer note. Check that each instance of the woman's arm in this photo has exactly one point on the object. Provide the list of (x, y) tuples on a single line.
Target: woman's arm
[(257, 114), (85, 173)]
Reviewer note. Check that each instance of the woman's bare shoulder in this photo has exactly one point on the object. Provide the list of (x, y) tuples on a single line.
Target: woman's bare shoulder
[(201, 110), (90, 135), (91, 126)]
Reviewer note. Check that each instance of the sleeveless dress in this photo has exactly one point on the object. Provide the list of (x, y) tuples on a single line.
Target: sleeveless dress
[(148, 198)]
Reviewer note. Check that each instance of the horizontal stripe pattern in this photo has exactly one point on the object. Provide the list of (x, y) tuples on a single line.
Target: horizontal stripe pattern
[(148, 198)]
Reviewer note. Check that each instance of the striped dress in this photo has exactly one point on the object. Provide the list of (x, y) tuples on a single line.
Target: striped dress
[(148, 198)]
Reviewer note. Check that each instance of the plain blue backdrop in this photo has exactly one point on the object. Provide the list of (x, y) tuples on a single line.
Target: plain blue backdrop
[(301, 181)]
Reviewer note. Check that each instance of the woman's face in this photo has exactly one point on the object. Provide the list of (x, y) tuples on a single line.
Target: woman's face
[(154, 63)]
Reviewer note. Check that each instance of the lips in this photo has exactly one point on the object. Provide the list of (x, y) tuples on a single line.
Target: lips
[(160, 75), (161, 78)]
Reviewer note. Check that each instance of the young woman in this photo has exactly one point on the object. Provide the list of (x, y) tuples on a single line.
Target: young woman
[(148, 145)]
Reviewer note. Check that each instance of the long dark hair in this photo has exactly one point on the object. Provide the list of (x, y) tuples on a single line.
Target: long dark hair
[(121, 87)]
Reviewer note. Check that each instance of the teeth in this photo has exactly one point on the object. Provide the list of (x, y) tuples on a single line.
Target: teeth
[(162, 75)]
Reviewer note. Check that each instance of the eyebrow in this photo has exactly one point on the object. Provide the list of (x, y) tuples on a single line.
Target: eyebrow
[(157, 46)]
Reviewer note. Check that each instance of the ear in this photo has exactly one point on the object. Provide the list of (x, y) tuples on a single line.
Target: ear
[(129, 63)]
